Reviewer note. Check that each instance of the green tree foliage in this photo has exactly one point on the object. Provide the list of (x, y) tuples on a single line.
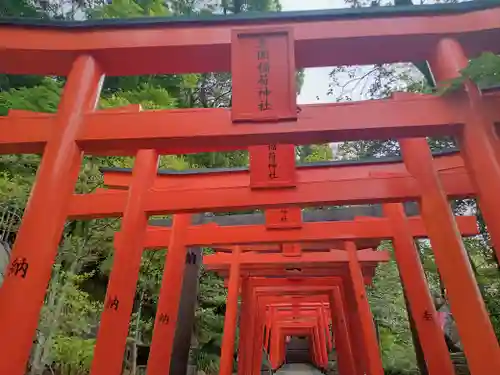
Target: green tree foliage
[(43, 96), (209, 321), (19, 8), (388, 307), (130, 8), (483, 70), (73, 356), (64, 338)]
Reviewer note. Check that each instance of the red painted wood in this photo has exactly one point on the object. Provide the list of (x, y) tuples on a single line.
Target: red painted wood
[(340, 274), (263, 75), (467, 305), (328, 42), (479, 141), (272, 166), (417, 291), (24, 287), (283, 218), (230, 319), (362, 228), (168, 301), (204, 130), (120, 293)]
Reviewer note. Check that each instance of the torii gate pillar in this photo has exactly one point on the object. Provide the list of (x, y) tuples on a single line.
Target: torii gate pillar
[(478, 142), (230, 320), (38, 238), (476, 331)]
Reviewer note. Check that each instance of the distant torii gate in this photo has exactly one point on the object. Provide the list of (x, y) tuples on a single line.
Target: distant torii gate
[(262, 55), (410, 269), (376, 228), (307, 321)]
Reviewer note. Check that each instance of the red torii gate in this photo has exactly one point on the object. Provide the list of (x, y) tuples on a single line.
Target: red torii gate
[(411, 267), (252, 336), (92, 52), (294, 327), (297, 311), (273, 263), (221, 262), (271, 296), (320, 308), (276, 294)]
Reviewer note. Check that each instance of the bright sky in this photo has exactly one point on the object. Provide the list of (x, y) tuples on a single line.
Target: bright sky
[(316, 79)]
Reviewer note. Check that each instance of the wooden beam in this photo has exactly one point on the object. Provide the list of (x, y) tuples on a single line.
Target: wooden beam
[(361, 228), (210, 130), (344, 37), (216, 178), (282, 273), (342, 192), (304, 259), (265, 281)]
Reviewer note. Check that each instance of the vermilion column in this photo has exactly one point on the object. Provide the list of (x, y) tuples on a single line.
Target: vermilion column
[(317, 347), (23, 290), (322, 340), (170, 294), (251, 329), (120, 294), (275, 346), (373, 360), (269, 316), (319, 343), (324, 323), (273, 350), (353, 321), (250, 334), (310, 343), (281, 348), (257, 339), (253, 346), (281, 342), (324, 349), (478, 141), (343, 346), (243, 344), (354, 324), (467, 306), (422, 308), (227, 349)]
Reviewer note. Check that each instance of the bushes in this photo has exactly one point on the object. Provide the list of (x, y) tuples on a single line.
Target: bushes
[(73, 355)]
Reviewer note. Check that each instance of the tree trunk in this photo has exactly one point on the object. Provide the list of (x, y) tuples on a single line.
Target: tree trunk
[(44, 350), (37, 365), (476, 274), (136, 335), (483, 230)]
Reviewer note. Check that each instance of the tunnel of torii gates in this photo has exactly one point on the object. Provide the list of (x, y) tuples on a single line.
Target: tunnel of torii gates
[(262, 53), (319, 264)]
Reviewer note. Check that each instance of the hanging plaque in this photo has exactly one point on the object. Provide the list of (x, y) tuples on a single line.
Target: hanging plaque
[(272, 166), (263, 76), (284, 218)]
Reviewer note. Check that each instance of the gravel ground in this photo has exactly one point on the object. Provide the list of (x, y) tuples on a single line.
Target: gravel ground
[(298, 369)]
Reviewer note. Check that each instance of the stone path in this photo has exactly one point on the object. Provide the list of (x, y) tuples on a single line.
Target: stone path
[(298, 369)]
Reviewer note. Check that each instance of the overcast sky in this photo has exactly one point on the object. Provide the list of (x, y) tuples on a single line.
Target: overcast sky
[(316, 79)]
